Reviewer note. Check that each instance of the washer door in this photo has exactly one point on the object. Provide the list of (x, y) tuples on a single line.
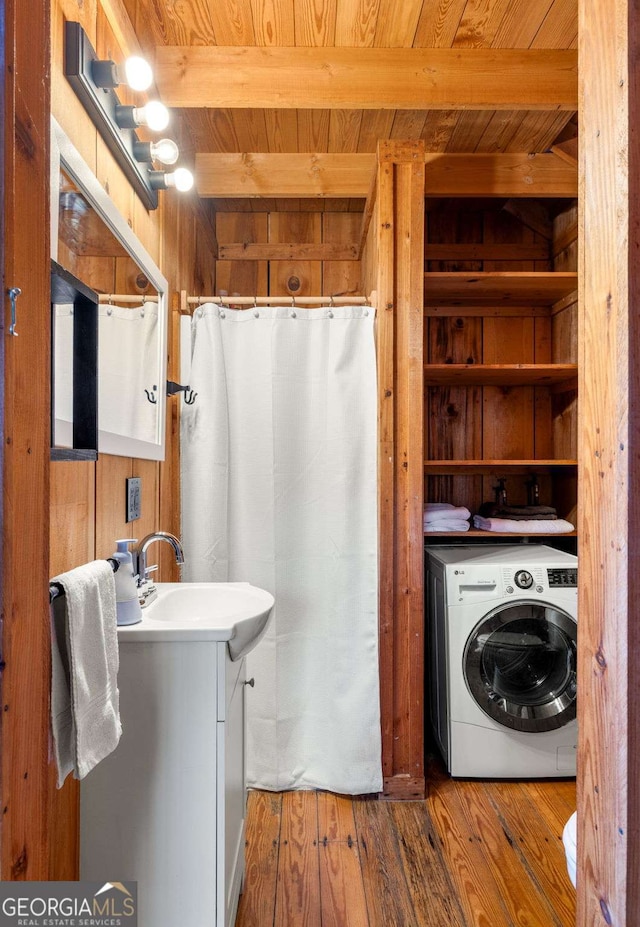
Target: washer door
[(520, 666)]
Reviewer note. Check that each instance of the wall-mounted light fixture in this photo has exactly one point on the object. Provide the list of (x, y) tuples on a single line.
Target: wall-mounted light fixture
[(94, 82)]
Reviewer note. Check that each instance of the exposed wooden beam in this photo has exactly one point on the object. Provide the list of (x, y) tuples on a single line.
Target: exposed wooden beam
[(367, 214), (512, 174), (349, 175), (366, 78), (291, 251), (283, 175)]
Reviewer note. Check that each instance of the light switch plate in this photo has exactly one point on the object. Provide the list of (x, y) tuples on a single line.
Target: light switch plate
[(134, 492)]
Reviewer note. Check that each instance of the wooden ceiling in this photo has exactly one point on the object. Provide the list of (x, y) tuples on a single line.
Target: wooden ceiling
[(211, 52)]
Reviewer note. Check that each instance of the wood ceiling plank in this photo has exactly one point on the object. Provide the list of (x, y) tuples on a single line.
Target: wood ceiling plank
[(469, 130), (283, 175), (496, 175), (500, 130), (232, 22), (439, 23), (315, 22), (313, 129), (560, 26), (397, 23), (344, 130), (408, 123), (376, 123), (537, 131), (366, 78), (480, 23), (438, 128), (356, 23), (521, 23), (273, 22), (282, 129)]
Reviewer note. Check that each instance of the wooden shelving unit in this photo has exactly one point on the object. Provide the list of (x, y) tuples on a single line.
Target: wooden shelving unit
[(474, 533), (485, 288), (517, 306), (556, 375)]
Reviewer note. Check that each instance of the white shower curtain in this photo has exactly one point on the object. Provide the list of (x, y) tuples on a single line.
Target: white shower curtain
[(279, 489)]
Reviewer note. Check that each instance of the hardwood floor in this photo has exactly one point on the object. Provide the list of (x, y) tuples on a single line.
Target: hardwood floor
[(474, 854)]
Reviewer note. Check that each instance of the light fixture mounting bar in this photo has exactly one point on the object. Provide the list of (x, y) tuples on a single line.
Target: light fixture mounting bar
[(100, 104)]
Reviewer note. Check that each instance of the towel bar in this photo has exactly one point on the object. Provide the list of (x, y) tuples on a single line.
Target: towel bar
[(56, 589)]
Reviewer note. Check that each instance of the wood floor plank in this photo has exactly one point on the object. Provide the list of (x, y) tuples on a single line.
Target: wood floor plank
[(335, 818), (386, 890), (521, 896), (555, 805), (543, 852), (298, 890), (257, 902), (434, 899), (477, 888), (342, 898)]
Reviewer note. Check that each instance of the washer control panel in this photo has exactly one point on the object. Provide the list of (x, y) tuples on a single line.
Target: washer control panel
[(566, 578), (523, 579)]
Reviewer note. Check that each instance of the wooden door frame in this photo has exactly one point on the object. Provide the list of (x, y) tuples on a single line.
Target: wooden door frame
[(24, 714)]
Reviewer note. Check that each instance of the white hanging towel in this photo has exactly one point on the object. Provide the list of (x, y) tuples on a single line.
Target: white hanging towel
[(279, 489), (85, 717)]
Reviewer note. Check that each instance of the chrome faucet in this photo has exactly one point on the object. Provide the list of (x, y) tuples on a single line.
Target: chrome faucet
[(147, 589)]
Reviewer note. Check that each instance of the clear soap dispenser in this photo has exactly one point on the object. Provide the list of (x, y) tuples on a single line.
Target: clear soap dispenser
[(127, 604)]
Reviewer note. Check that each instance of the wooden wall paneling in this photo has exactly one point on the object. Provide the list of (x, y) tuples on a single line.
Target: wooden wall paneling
[(507, 421), (72, 515), (24, 366), (242, 278), (341, 277), (111, 475), (609, 493), (169, 486), (65, 105), (542, 398), (149, 521), (295, 278)]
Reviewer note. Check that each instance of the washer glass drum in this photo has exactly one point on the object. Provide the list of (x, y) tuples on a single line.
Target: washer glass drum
[(520, 666)]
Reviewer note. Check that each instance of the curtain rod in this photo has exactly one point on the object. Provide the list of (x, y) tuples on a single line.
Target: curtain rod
[(283, 300), (125, 298)]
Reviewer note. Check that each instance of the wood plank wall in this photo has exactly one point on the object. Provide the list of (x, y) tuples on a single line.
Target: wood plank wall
[(609, 517), (87, 499), (283, 277)]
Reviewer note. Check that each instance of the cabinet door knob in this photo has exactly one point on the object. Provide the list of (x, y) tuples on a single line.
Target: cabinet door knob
[(250, 682)]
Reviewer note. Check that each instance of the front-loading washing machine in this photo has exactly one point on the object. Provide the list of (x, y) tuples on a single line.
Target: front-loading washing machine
[(501, 631)]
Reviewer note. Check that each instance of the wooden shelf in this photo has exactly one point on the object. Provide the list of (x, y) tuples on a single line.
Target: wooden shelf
[(533, 288), (475, 533), (500, 374), (492, 466)]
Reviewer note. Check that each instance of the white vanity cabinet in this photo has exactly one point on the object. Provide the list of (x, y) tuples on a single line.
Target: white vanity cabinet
[(167, 808)]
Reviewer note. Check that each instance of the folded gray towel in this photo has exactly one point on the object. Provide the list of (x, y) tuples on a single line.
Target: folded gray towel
[(85, 718)]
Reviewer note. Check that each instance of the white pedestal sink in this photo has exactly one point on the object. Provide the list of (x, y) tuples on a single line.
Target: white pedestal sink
[(234, 612), (167, 808)]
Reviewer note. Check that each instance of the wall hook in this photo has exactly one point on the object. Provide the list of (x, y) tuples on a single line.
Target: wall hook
[(189, 394), (151, 396)]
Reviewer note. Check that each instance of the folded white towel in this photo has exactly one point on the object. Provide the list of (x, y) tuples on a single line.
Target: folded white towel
[(85, 718), (443, 511), (556, 526), (453, 524)]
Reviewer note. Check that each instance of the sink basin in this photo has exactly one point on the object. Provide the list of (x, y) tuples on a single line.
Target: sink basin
[(234, 612)]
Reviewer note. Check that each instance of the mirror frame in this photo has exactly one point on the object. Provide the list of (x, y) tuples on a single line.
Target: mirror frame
[(64, 155)]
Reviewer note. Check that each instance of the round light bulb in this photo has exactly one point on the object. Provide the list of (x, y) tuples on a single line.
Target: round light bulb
[(138, 73), (152, 114), (183, 179), (166, 151)]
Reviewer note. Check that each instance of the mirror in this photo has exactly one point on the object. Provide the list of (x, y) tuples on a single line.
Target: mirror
[(91, 239)]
